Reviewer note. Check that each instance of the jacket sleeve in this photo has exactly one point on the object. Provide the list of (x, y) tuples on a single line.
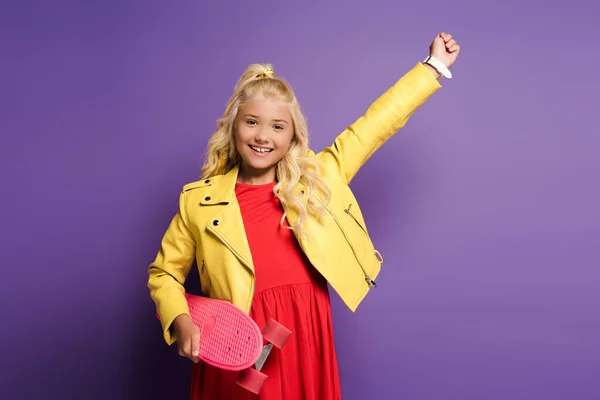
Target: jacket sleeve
[(167, 273), (390, 112)]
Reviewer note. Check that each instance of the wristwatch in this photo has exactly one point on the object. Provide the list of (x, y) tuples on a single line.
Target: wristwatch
[(439, 66)]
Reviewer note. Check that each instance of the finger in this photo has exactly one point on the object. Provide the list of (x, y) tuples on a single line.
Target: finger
[(181, 349), (450, 43), (454, 48), (446, 36), (188, 347), (195, 346)]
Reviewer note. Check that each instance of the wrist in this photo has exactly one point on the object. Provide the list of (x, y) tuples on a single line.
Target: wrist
[(180, 320), (434, 71), (438, 66)]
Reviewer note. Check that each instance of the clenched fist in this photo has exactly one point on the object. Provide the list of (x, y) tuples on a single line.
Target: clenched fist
[(445, 49)]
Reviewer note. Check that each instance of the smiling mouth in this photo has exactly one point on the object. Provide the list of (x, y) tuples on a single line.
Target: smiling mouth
[(261, 150)]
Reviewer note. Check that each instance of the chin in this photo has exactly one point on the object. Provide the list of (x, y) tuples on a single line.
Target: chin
[(261, 164)]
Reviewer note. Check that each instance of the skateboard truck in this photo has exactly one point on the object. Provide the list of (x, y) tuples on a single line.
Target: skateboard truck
[(252, 379), (266, 350)]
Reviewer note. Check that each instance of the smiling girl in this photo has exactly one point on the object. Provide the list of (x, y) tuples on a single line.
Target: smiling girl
[(272, 223)]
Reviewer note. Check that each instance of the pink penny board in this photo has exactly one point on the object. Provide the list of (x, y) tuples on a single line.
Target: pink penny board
[(229, 338)]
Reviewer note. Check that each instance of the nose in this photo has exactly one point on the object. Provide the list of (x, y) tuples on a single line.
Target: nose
[(261, 136)]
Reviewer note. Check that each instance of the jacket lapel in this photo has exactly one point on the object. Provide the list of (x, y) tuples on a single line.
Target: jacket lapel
[(227, 224)]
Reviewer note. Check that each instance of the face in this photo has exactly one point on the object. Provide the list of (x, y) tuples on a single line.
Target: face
[(263, 133)]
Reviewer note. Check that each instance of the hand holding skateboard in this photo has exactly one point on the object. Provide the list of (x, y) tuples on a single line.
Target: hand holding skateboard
[(224, 336), (188, 337)]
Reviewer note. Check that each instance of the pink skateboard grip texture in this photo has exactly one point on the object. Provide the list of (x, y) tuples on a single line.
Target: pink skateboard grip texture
[(229, 338), (235, 341)]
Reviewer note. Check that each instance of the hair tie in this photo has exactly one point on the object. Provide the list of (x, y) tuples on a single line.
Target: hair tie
[(268, 72)]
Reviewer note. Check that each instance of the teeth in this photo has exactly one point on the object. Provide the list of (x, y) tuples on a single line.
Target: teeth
[(260, 150)]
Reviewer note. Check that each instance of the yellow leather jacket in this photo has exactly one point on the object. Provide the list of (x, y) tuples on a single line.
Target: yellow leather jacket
[(208, 227)]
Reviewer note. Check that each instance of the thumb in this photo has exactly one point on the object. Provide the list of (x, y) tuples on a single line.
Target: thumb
[(196, 344)]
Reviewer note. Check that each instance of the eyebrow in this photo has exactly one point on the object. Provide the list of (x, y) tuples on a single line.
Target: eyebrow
[(275, 120)]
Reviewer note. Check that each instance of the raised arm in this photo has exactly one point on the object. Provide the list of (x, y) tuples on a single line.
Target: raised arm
[(388, 114)]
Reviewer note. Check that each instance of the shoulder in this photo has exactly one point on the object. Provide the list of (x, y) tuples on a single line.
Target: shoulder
[(310, 153), (193, 193), (326, 170)]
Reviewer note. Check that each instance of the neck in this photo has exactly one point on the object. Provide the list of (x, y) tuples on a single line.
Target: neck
[(251, 176)]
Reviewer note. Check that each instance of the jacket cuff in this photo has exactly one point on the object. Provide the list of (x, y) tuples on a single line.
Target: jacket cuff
[(167, 312)]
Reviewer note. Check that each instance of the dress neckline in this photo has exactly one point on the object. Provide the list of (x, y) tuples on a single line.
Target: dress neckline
[(258, 186)]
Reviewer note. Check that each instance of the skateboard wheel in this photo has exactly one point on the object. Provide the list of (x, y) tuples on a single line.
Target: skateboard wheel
[(251, 380), (276, 333)]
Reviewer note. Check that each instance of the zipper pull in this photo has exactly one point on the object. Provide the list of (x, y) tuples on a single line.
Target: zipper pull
[(370, 281), (347, 210)]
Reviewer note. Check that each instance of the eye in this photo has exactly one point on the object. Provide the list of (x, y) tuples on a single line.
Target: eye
[(251, 122), (279, 127)]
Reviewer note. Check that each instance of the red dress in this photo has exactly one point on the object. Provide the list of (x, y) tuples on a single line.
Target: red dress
[(291, 291)]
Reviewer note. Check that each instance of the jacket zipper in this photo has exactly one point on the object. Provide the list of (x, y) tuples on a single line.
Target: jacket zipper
[(203, 272), (347, 211), (226, 243), (368, 279)]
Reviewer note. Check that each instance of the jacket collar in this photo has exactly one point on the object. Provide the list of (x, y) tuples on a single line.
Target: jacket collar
[(221, 189)]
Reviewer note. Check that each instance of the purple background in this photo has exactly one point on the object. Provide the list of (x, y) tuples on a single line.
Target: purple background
[(485, 207)]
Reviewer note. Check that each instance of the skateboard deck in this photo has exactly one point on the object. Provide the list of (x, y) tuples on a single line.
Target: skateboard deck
[(230, 339)]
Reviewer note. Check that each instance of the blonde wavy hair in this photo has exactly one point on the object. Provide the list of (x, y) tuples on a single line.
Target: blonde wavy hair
[(259, 81)]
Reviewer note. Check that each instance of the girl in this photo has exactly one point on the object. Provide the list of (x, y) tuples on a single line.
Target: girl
[(271, 223)]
